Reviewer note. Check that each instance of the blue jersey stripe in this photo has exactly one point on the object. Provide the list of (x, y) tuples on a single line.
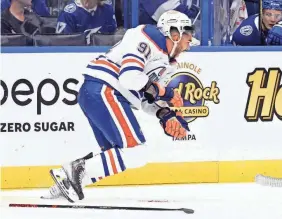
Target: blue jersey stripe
[(113, 63), (138, 94), (102, 56), (133, 55), (130, 68), (156, 37), (122, 166)]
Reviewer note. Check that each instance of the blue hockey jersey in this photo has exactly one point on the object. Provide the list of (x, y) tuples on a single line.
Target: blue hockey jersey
[(150, 11), (38, 6), (248, 34), (76, 19)]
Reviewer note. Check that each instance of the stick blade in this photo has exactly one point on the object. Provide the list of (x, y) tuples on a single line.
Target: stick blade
[(268, 181), (187, 210)]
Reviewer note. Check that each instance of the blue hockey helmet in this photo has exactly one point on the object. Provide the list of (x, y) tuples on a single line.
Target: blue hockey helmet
[(272, 4)]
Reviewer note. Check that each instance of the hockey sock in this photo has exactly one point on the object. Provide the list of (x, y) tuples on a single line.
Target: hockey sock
[(111, 162), (107, 163)]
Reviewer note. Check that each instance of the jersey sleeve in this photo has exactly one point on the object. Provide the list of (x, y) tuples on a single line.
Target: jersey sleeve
[(239, 39), (110, 25), (247, 33), (5, 4), (191, 12), (66, 23), (40, 7), (131, 74), (136, 53), (156, 8), (159, 7)]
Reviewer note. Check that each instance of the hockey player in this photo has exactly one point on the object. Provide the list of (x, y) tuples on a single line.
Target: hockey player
[(87, 15), (114, 83), (274, 36), (150, 11), (248, 33)]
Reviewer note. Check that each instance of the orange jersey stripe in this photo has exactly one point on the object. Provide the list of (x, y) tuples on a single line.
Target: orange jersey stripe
[(112, 161), (131, 142), (103, 62), (132, 60)]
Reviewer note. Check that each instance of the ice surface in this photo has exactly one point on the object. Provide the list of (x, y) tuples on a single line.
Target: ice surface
[(220, 201)]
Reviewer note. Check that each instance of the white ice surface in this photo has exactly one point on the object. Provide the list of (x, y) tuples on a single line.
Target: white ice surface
[(210, 201)]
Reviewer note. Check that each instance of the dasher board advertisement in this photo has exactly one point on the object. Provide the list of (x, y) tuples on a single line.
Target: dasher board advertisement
[(232, 101)]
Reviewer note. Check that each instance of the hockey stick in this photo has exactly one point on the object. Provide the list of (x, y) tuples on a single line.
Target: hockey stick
[(268, 181), (196, 18), (185, 210)]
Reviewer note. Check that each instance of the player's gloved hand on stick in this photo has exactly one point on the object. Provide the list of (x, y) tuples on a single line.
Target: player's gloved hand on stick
[(173, 123), (274, 36), (157, 92)]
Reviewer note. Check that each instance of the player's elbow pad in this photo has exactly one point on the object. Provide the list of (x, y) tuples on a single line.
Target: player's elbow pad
[(133, 80)]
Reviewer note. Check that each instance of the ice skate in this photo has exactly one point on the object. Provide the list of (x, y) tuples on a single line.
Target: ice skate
[(69, 179)]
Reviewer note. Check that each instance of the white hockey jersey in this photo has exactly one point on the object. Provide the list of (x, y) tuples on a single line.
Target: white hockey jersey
[(125, 65)]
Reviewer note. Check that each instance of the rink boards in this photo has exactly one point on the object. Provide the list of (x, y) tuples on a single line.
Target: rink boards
[(153, 173), (235, 119)]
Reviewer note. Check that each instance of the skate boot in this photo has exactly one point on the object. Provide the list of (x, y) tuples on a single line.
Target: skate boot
[(76, 172), (69, 179)]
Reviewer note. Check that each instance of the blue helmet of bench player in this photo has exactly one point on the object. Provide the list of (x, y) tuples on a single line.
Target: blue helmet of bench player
[(272, 5)]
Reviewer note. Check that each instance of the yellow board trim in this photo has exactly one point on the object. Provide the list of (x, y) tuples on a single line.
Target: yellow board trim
[(245, 171), (153, 173)]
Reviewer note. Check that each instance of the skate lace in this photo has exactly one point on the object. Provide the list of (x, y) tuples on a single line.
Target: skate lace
[(80, 172), (81, 176)]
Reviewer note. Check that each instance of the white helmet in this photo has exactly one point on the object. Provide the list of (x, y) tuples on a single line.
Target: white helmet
[(174, 19)]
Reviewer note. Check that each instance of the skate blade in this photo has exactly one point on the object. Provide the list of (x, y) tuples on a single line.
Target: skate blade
[(60, 178), (50, 197)]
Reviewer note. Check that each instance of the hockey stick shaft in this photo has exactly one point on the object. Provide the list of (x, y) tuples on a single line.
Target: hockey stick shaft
[(185, 210), (196, 18)]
